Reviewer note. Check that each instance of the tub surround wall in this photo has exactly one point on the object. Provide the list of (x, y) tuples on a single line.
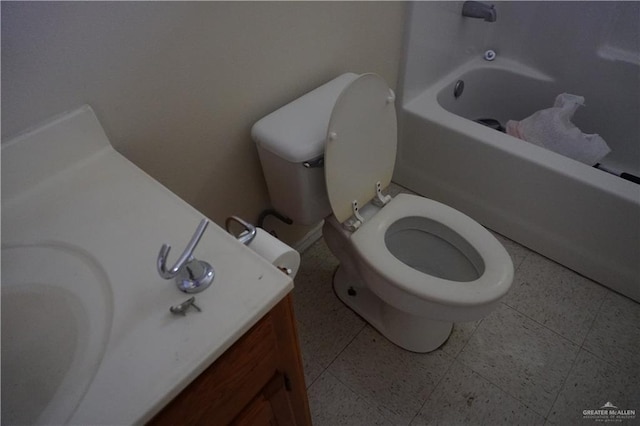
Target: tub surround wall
[(580, 34), (438, 39), (591, 49), (177, 86)]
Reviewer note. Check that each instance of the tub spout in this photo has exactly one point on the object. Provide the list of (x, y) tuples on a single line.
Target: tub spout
[(476, 9)]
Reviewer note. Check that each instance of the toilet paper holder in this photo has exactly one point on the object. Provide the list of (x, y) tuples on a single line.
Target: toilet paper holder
[(249, 232), (246, 235)]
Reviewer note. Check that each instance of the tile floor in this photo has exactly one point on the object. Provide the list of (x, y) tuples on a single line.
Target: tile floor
[(558, 344)]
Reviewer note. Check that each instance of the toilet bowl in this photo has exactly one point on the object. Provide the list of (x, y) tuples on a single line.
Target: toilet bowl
[(410, 266), (415, 267)]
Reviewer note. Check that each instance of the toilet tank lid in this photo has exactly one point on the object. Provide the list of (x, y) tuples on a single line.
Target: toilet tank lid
[(297, 132)]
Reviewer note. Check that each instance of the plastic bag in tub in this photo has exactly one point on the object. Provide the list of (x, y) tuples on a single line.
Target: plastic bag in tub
[(552, 128)]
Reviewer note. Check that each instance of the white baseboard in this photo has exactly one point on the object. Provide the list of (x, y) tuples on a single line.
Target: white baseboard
[(311, 237)]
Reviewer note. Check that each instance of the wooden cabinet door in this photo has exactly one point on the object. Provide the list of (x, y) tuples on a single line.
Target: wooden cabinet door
[(272, 407), (247, 383)]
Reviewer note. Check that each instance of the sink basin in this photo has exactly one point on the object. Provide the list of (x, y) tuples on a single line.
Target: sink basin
[(57, 309)]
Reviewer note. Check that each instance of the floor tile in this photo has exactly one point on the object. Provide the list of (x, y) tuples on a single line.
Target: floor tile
[(591, 384), (396, 380), (463, 397), (615, 335), (312, 286), (521, 357), (312, 368), (556, 297), (333, 404), (459, 337), (326, 325), (517, 252)]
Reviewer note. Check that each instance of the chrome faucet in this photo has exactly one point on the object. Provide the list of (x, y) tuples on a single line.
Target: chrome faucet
[(476, 9), (192, 275)]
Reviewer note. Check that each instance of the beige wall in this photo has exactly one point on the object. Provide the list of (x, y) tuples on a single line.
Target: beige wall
[(177, 86)]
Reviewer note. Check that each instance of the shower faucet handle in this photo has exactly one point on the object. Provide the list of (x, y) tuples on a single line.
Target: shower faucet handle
[(192, 275), (476, 9)]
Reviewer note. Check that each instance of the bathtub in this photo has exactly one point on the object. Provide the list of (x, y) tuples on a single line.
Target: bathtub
[(577, 215)]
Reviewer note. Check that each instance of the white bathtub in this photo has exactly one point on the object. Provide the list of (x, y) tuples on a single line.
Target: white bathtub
[(583, 218)]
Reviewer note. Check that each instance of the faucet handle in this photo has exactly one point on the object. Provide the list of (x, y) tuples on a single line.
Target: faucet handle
[(192, 275)]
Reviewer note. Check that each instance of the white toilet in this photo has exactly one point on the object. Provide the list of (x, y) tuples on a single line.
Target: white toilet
[(409, 265)]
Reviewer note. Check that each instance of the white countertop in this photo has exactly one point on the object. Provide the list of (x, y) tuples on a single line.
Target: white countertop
[(64, 183)]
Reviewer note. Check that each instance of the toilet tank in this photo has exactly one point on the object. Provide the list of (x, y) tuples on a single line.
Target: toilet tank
[(291, 142)]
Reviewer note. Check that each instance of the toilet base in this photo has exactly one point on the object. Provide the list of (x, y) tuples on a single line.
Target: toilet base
[(410, 332)]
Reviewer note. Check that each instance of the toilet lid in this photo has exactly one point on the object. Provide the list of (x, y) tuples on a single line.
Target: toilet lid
[(361, 144)]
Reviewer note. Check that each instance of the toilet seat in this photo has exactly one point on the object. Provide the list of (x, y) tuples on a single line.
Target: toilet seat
[(361, 143), (474, 298)]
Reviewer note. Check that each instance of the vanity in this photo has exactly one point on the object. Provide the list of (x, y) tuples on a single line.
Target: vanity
[(88, 335), (258, 381)]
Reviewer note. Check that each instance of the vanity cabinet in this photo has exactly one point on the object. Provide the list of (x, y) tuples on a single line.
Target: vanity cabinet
[(257, 381)]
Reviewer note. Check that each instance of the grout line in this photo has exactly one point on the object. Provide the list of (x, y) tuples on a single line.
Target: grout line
[(575, 360), (365, 398), (616, 366), (565, 377), (593, 322), (487, 379), (435, 387), (364, 325), (347, 344), (541, 325), (564, 382), (503, 390), (469, 339), (316, 379), (524, 259), (326, 369), (372, 404)]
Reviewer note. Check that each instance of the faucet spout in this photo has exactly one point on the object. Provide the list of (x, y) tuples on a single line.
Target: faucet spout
[(476, 9)]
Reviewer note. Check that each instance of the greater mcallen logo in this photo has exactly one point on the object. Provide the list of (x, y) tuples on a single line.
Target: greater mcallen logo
[(609, 413)]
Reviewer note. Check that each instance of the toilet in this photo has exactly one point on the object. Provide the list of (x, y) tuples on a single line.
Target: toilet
[(410, 266)]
